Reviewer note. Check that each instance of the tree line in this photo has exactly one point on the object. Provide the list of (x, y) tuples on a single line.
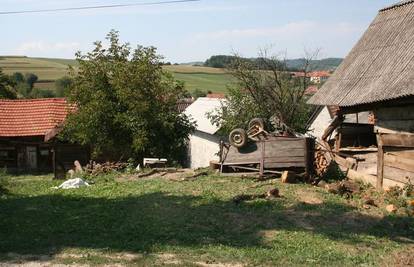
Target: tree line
[(20, 86), (224, 61)]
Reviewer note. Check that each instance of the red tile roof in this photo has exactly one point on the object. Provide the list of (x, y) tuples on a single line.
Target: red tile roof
[(217, 95), (311, 74), (319, 74), (32, 117), (311, 90)]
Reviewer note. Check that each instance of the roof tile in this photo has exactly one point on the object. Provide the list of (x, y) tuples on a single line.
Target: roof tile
[(32, 117)]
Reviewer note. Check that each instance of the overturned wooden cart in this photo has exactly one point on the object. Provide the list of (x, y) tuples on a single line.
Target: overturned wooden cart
[(269, 154)]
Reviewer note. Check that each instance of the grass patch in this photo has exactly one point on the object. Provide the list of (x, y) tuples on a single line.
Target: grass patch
[(156, 221)]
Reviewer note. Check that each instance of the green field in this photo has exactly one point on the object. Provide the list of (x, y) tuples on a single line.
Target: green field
[(124, 221), (45, 69), (50, 69)]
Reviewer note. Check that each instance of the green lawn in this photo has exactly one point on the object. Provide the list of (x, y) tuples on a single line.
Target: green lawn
[(193, 223)]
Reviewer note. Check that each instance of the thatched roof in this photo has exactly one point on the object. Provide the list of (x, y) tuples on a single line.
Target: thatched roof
[(381, 65)]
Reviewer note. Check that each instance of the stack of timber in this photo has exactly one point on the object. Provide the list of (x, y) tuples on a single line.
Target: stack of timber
[(95, 169), (322, 160)]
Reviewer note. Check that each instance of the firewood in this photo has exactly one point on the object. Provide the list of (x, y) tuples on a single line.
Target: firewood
[(288, 177)]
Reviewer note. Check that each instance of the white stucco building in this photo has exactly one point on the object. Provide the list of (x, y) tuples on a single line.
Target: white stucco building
[(204, 143), (324, 116)]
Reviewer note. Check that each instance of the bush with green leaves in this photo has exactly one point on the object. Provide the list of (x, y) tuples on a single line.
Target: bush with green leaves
[(6, 87), (265, 89), (126, 104), (63, 85)]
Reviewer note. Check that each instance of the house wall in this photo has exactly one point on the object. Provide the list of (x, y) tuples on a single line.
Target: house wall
[(32, 154), (202, 149), (25, 154), (319, 125)]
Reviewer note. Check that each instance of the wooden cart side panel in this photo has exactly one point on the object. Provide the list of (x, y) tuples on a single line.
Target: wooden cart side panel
[(279, 152), (277, 165)]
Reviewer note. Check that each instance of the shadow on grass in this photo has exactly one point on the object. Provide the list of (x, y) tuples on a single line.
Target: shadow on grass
[(47, 224)]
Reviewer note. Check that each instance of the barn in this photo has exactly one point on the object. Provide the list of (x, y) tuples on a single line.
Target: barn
[(204, 143), (378, 76), (28, 143)]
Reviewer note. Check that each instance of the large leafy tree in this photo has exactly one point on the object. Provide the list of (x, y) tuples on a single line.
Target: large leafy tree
[(6, 87), (126, 103)]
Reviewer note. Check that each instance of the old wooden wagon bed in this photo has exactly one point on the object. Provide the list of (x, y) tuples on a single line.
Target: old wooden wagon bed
[(268, 154)]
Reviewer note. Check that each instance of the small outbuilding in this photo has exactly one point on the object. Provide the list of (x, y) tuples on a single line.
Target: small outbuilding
[(204, 143), (28, 128), (378, 76)]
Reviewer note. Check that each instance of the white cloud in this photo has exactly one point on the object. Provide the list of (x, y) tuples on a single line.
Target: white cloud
[(40, 47)]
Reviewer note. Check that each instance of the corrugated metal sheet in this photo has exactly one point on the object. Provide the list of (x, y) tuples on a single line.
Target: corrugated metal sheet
[(381, 65), (198, 112)]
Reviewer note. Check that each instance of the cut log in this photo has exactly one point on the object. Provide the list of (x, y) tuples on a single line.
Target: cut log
[(288, 177)]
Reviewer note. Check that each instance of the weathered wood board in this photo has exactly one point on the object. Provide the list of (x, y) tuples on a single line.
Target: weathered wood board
[(274, 152), (395, 119)]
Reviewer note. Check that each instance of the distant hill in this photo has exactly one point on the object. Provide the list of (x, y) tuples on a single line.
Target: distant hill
[(322, 64), (221, 61), (193, 63)]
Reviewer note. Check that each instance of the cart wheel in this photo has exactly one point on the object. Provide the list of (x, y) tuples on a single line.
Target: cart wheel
[(256, 123), (238, 138)]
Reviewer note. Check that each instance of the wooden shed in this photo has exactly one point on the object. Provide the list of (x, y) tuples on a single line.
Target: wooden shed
[(28, 129), (378, 76)]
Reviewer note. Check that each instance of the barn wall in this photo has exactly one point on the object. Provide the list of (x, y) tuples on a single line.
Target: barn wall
[(395, 119), (203, 148), (395, 133)]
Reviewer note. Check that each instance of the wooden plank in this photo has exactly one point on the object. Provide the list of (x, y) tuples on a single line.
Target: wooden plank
[(398, 175), (278, 165), (284, 144), (397, 140), (275, 160), (343, 162), (380, 163), (402, 163), (284, 152), (401, 152), (396, 125), (331, 128), (354, 175)]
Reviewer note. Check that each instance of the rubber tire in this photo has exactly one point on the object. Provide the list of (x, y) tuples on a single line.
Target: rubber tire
[(241, 136), (256, 122)]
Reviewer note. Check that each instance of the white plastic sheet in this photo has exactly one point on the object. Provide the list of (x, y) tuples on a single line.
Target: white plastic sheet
[(73, 183)]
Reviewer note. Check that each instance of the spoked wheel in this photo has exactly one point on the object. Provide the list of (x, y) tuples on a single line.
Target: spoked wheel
[(256, 123), (238, 138)]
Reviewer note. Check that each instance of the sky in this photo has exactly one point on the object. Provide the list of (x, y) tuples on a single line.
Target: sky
[(193, 31)]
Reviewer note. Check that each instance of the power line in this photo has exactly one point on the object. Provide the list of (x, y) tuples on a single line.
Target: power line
[(95, 7)]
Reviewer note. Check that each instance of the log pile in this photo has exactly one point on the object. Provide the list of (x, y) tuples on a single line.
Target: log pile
[(94, 169), (322, 160)]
